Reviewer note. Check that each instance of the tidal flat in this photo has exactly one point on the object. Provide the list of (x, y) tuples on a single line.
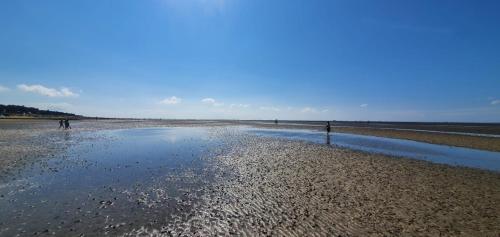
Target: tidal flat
[(474, 136), (211, 178)]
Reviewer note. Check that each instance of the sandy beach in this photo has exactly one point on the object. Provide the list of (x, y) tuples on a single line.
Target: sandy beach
[(284, 188), (23, 141), (256, 186), (440, 134), (183, 118), (476, 142)]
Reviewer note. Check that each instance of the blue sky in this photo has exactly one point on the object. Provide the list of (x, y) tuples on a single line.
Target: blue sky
[(257, 59)]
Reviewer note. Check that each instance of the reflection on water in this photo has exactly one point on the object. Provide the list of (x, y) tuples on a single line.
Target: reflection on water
[(135, 178), (396, 147), (128, 179)]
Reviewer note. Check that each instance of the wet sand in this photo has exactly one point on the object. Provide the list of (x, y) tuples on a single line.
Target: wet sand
[(475, 142), (115, 182), (288, 188), (474, 128), (480, 128), (24, 141), (266, 186)]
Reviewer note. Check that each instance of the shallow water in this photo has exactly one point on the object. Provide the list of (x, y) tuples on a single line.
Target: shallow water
[(124, 180), (113, 182), (431, 131), (397, 147), (322, 125)]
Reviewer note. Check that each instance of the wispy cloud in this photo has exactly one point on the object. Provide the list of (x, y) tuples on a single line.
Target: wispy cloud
[(45, 91), (239, 106), (495, 102), (208, 100), (171, 101), (3, 88), (363, 105), (308, 110), (269, 108), (211, 101)]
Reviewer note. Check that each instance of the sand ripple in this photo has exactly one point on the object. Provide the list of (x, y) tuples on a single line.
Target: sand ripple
[(270, 187)]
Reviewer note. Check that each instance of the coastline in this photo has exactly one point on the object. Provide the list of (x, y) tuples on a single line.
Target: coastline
[(270, 186), (24, 140), (487, 143), (290, 188)]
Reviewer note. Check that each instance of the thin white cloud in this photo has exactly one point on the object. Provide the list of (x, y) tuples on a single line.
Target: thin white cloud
[(45, 91), (363, 105), (239, 106), (208, 100), (495, 102), (325, 111), (3, 88), (268, 108), (308, 110), (171, 101), (211, 101)]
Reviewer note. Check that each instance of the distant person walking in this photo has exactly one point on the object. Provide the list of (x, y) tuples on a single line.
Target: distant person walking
[(61, 124), (66, 124)]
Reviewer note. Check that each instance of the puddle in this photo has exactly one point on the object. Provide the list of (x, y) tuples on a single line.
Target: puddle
[(397, 147), (127, 180)]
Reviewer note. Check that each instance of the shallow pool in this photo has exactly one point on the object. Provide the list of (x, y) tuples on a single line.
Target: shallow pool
[(397, 147), (112, 182)]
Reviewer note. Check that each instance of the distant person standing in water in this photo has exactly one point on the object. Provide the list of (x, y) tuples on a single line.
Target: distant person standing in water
[(276, 121), (66, 124), (61, 124), (328, 130)]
